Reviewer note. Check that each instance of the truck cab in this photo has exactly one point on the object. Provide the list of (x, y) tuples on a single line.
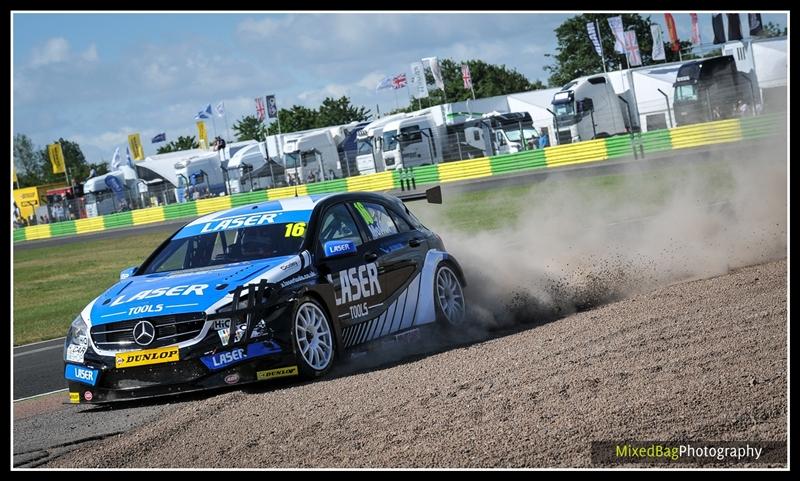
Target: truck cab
[(587, 108), (410, 142), (710, 89), (312, 157)]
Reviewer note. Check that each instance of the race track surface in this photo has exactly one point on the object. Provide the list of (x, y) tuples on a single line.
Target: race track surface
[(702, 360)]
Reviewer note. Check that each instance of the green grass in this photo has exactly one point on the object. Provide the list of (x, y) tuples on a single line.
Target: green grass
[(494, 208), (53, 284)]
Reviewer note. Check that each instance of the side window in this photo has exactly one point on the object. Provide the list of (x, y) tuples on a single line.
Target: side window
[(414, 220), (411, 135), (401, 223), (338, 224), (378, 221)]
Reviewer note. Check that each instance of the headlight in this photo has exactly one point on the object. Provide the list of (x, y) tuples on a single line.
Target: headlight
[(77, 341), (78, 332)]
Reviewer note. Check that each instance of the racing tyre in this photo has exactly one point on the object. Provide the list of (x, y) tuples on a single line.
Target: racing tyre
[(448, 294), (312, 332)]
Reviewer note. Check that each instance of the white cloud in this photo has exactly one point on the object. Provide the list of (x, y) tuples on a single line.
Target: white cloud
[(251, 29), (54, 50), (315, 97), (90, 54)]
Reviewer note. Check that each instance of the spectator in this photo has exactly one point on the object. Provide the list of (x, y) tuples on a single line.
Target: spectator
[(715, 113), (742, 108), (544, 139)]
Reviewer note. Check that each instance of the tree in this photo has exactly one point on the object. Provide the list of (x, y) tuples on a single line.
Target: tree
[(772, 30), (295, 119), (339, 111), (576, 56), (488, 80), (181, 143), (249, 128), (26, 161)]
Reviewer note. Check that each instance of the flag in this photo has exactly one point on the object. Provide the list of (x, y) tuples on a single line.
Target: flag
[(590, 27), (754, 20), (159, 138), (632, 47), (260, 111), (719, 28), (115, 164), (465, 75), (616, 28), (399, 81), (128, 154), (386, 83), (220, 109), (135, 143), (272, 106), (202, 135), (56, 158), (673, 32), (433, 63), (734, 27), (205, 113), (420, 90), (658, 43), (696, 40)]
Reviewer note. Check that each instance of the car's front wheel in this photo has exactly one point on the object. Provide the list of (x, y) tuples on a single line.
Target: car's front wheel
[(313, 337), (449, 297)]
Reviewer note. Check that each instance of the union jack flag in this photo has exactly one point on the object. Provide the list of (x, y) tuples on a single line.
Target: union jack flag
[(399, 81), (260, 110), (465, 75)]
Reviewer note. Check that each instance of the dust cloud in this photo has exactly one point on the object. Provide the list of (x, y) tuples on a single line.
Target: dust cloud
[(585, 247)]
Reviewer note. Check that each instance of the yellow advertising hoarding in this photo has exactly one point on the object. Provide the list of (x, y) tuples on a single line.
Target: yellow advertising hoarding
[(27, 200), (56, 158), (202, 134), (135, 144)]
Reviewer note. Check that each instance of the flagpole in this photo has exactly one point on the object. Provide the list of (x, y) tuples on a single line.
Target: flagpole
[(225, 114), (600, 39), (396, 107), (213, 123)]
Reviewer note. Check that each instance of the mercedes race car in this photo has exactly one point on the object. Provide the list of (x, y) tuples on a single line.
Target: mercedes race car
[(264, 291)]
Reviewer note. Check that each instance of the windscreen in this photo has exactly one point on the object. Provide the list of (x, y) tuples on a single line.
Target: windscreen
[(231, 240)]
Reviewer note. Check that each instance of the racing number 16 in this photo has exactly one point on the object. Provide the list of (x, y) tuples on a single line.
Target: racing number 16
[(296, 229)]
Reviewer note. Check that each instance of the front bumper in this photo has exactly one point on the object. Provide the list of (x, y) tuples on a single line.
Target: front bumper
[(176, 377), (210, 363)]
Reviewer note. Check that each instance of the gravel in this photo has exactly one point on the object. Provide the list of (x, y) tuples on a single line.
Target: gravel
[(701, 360)]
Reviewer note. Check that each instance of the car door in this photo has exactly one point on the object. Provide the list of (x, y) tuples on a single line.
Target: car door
[(345, 273), (398, 252)]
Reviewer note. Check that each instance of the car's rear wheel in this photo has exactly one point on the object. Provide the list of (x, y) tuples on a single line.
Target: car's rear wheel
[(449, 297), (313, 337)]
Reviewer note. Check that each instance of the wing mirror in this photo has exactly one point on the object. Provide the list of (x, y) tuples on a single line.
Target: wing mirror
[(339, 248), (126, 273)]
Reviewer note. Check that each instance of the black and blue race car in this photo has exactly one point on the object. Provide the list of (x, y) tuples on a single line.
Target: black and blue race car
[(264, 291)]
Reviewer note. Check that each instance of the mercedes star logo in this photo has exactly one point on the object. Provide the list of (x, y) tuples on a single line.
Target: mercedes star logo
[(143, 333)]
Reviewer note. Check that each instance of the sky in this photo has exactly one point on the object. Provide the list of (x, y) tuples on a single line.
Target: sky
[(95, 78)]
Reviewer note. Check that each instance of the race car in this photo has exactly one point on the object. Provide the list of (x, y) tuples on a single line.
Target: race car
[(264, 291)]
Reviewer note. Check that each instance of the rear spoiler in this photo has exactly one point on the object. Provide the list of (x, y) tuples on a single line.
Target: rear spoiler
[(432, 195)]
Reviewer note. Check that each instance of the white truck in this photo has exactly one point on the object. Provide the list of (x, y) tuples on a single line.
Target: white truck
[(414, 140), (313, 156), (765, 60), (369, 148), (587, 108)]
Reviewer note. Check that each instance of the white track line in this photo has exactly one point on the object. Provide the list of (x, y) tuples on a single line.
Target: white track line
[(32, 351), (38, 395), (40, 342)]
